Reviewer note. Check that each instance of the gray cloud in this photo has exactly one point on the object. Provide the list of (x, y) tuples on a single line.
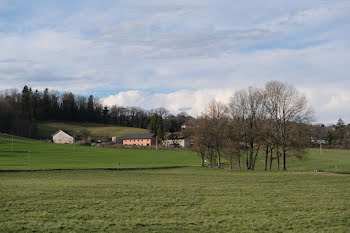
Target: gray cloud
[(165, 47)]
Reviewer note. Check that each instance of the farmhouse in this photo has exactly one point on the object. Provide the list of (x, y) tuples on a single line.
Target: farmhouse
[(176, 140), (146, 139), (63, 137)]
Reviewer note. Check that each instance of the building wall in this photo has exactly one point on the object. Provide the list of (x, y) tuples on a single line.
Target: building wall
[(62, 138), (139, 142), (184, 143)]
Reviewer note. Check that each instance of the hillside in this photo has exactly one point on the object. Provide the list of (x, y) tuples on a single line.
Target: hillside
[(46, 129)]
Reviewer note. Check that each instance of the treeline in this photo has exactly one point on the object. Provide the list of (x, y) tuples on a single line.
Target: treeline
[(333, 136), (273, 121), (20, 112)]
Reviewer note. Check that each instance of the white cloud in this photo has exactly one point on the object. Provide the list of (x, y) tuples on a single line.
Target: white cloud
[(332, 104), (200, 50), (193, 102)]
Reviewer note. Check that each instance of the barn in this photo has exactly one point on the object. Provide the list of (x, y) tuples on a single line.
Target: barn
[(63, 137)]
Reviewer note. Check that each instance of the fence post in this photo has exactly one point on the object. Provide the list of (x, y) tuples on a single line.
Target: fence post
[(118, 160)]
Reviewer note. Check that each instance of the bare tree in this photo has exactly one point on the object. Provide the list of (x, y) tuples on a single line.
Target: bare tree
[(249, 111), (203, 143), (162, 112), (286, 107), (216, 115)]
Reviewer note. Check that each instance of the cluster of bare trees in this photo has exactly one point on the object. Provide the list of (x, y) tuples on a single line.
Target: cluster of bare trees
[(269, 122)]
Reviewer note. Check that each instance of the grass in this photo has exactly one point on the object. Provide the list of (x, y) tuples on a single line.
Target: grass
[(334, 160), (174, 200), (50, 155), (97, 131)]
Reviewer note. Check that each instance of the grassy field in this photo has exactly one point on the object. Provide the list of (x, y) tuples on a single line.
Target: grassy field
[(328, 160), (97, 131), (167, 200), (174, 200), (50, 155)]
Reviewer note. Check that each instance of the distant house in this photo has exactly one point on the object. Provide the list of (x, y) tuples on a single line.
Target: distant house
[(145, 139), (177, 140), (63, 137)]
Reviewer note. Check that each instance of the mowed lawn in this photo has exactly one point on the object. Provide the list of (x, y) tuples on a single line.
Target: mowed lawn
[(97, 131), (36, 154), (174, 200)]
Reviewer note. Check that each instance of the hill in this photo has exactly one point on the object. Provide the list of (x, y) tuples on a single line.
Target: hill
[(97, 131)]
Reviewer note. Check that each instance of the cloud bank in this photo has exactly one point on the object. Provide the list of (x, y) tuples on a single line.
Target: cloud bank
[(178, 54)]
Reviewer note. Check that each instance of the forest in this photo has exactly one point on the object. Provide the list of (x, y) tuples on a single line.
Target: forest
[(21, 111)]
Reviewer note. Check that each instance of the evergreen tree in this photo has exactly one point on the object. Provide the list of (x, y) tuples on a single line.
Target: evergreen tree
[(157, 126), (26, 103), (90, 108)]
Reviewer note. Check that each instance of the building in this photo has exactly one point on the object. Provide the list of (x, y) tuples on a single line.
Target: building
[(63, 137), (146, 139), (177, 143), (177, 140)]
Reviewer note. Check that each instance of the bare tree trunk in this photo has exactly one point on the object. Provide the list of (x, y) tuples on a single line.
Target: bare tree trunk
[(271, 159), (266, 155), (219, 159), (202, 159), (251, 157), (239, 160), (231, 161), (247, 159), (278, 160), (284, 160), (255, 158)]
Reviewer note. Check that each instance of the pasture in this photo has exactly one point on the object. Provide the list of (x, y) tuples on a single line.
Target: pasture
[(191, 199), (97, 131), (36, 154), (50, 155), (174, 200)]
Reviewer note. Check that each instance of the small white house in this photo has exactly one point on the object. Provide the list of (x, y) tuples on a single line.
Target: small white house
[(180, 143), (63, 137)]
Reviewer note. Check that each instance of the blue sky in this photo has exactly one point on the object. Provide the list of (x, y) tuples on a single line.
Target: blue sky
[(179, 54)]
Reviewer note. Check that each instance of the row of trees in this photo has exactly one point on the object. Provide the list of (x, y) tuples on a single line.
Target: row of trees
[(20, 111), (271, 121), (333, 136)]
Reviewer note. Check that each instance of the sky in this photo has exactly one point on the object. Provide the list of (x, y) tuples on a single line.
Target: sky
[(179, 54)]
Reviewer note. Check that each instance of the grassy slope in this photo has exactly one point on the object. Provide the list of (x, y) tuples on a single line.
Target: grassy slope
[(175, 200), (50, 155), (46, 129)]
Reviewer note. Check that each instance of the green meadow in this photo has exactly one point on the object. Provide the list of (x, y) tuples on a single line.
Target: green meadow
[(97, 131), (174, 200), (36, 154), (189, 199), (25, 153)]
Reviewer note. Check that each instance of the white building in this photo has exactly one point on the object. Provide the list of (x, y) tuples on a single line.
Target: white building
[(180, 143), (63, 137)]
